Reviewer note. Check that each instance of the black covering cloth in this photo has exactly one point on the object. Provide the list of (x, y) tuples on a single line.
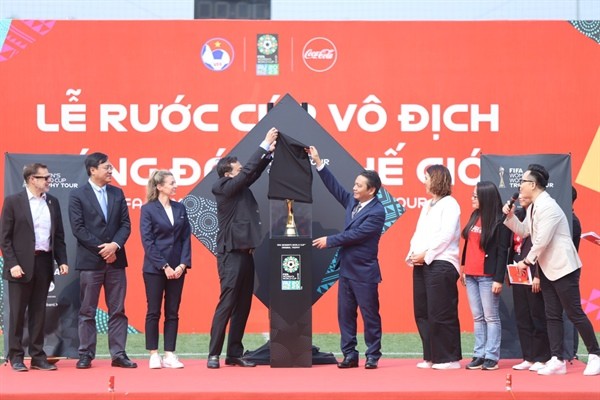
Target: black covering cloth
[(290, 176)]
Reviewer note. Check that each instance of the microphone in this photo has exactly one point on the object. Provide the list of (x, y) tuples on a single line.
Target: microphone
[(511, 203)]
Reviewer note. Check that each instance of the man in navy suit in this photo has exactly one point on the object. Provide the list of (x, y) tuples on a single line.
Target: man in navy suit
[(100, 222), (359, 268), (239, 234), (31, 237)]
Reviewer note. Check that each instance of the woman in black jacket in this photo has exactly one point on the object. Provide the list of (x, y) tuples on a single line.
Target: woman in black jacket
[(483, 269)]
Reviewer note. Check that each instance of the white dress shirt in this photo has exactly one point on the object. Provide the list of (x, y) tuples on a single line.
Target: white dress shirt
[(438, 232), (40, 214)]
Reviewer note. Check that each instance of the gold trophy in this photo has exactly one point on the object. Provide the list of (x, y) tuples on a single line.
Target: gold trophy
[(290, 226)]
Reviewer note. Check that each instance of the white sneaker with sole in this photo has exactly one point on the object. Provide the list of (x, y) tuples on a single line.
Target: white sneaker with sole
[(447, 365), (537, 366), (171, 361), (554, 367), (593, 366), (424, 364), (155, 361), (523, 366)]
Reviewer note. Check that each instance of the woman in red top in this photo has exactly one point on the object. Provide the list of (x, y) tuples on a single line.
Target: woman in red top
[(483, 267)]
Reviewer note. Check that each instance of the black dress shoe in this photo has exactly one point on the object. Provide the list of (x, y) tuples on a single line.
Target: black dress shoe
[(19, 366), (123, 362), (239, 361), (84, 362), (43, 365), (371, 363), (348, 363), (213, 362)]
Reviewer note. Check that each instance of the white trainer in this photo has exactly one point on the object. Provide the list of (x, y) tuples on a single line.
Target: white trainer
[(172, 361), (424, 364), (447, 365), (523, 366), (537, 366), (155, 361), (554, 367), (593, 366)]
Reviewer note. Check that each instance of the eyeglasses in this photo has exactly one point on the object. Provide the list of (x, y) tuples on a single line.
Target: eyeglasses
[(44, 177), (107, 167), (526, 180)]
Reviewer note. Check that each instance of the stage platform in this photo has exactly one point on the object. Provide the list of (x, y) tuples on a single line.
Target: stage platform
[(394, 379)]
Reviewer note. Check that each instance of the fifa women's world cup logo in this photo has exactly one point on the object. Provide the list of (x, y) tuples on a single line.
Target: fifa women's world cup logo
[(501, 173)]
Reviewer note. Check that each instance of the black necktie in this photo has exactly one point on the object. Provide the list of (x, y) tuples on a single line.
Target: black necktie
[(356, 210)]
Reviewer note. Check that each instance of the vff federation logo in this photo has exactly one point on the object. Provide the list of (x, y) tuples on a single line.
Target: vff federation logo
[(319, 54), (217, 54)]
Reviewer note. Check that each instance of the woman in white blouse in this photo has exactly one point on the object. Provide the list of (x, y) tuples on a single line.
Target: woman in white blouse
[(434, 257)]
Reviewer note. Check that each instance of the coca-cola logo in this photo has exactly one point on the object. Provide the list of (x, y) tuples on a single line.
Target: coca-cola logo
[(319, 54)]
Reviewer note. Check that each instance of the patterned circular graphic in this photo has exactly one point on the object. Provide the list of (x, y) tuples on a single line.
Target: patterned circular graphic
[(202, 214), (590, 29), (192, 204)]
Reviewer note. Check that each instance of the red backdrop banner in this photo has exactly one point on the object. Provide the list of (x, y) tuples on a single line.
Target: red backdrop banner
[(397, 95)]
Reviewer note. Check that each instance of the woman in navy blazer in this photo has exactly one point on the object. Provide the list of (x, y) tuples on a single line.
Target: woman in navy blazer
[(165, 232)]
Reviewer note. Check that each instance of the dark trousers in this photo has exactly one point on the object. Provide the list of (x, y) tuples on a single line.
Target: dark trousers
[(531, 323), (29, 297), (114, 282), (236, 276), (564, 294), (435, 299), (571, 339), (157, 286), (363, 295)]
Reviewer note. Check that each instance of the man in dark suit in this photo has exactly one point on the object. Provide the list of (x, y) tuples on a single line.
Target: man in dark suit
[(32, 236), (100, 222), (239, 234), (359, 268)]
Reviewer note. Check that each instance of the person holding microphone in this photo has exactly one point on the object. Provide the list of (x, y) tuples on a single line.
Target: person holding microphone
[(529, 305), (560, 267)]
